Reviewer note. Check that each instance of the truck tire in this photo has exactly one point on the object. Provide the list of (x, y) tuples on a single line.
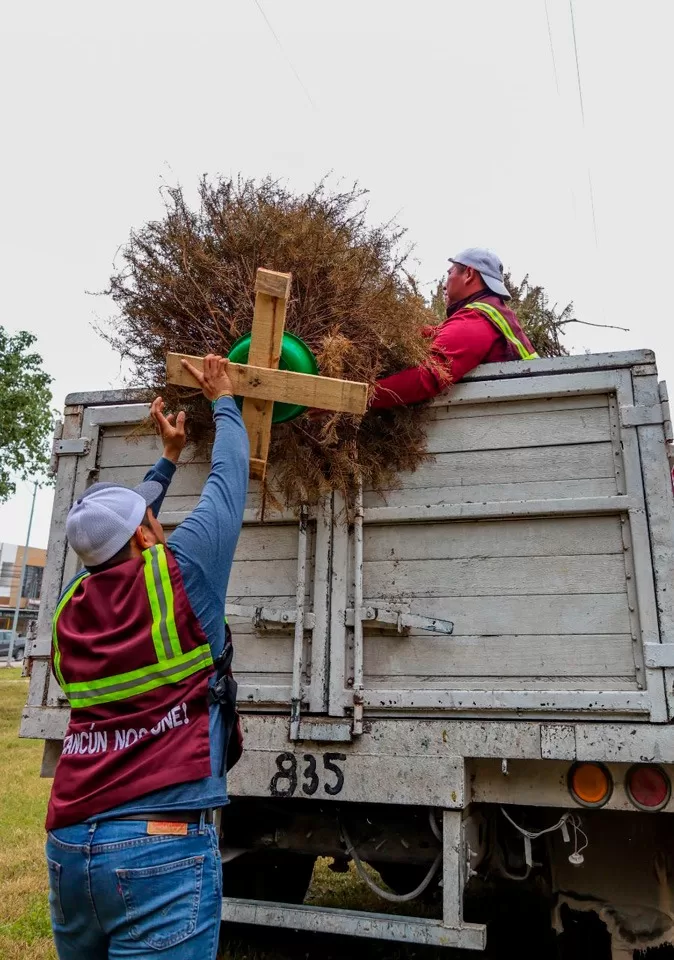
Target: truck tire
[(279, 876)]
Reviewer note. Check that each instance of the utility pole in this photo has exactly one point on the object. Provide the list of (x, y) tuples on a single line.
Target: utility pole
[(17, 608)]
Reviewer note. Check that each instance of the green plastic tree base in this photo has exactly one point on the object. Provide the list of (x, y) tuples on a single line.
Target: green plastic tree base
[(295, 356)]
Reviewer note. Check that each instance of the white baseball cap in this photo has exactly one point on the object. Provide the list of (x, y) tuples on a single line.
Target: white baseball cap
[(487, 265), (105, 518)]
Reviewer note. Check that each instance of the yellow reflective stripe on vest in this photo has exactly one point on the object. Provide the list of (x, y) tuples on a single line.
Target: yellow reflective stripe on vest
[(172, 664), (502, 324), (124, 685), (160, 595), (56, 656)]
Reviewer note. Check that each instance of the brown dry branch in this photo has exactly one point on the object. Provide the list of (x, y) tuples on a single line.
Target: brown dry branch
[(186, 285)]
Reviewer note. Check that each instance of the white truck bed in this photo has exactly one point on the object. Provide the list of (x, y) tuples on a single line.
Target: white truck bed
[(541, 529), (513, 602)]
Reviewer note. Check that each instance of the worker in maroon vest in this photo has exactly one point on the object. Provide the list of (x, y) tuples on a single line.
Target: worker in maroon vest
[(142, 652), (479, 329)]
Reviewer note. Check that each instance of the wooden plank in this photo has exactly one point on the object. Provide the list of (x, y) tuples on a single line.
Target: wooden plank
[(490, 577), (549, 615), (582, 363), (569, 536), (257, 469), (120, 447), (555, 387), (136, 414), (489, 510), (540, 404), (581, 461), (280, 601), (251, 694), (432, 656), (285, 386), (268, 543), (259, 578), (188, 480), (177, 509), (467, 681), (185, 488), (492, 492), (555, 428), (268, 654), (269, 319), (263, 687), (273, 283), (537, 702)]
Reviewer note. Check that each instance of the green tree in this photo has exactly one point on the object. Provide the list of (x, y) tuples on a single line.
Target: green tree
[(542, 322), (25, 412)]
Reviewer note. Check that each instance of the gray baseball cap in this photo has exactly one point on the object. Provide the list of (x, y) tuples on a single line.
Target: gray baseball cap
[(487, 265), (105, 517)]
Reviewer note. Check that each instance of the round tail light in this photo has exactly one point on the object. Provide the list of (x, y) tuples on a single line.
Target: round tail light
[(648, 787), (590, 784)]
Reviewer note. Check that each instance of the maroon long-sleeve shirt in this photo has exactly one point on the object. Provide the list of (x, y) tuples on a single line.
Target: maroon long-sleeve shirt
[(465, 340)]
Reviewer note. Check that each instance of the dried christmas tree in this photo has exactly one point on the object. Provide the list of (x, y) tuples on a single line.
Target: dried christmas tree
[(186, 284)]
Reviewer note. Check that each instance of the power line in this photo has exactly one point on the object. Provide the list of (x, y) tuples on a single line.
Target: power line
[(552, 48), (582, 115), (575, 50), (285, 55)]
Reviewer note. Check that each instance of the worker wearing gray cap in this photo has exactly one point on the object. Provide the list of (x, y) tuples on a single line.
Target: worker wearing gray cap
[(479, 328)]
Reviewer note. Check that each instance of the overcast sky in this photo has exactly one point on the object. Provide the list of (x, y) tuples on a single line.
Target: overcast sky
[(458, 117)]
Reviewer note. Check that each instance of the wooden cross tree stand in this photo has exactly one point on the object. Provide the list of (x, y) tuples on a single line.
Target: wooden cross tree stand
[(260, 381)]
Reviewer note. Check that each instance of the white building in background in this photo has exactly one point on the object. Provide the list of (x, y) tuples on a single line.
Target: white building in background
[(11, 561)]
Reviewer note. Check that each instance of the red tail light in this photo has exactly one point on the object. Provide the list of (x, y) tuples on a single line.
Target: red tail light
[(648, 787)]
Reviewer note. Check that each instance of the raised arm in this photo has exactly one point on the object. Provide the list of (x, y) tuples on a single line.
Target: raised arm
[(205, 542)]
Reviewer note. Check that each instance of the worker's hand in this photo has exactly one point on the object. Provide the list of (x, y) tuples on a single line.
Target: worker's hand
[(213, 380), (171, 429)]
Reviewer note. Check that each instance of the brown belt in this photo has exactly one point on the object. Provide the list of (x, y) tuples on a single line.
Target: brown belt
[(171, 816)]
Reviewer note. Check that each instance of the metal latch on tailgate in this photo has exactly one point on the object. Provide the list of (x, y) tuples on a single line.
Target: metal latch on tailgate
[(403, 622), (263, 617)]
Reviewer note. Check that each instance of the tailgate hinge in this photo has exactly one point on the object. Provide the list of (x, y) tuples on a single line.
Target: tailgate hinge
[(641, 415), (659, 654), (72, 448)]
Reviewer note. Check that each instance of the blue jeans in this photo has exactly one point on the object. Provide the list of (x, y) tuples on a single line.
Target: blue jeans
[(117, 891)]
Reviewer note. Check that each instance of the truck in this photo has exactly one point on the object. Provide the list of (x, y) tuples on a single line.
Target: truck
[(463, 685)]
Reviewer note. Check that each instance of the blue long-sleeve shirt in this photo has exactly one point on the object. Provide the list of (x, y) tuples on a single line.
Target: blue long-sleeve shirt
[(203, 546)]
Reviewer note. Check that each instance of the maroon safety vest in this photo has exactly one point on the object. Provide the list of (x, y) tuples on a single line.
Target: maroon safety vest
[(132, 659)]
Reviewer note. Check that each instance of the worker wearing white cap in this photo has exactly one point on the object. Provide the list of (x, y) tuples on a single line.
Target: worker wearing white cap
[(479, 328)]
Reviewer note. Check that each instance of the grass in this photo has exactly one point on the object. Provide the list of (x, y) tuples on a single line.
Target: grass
[(24, 915)]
